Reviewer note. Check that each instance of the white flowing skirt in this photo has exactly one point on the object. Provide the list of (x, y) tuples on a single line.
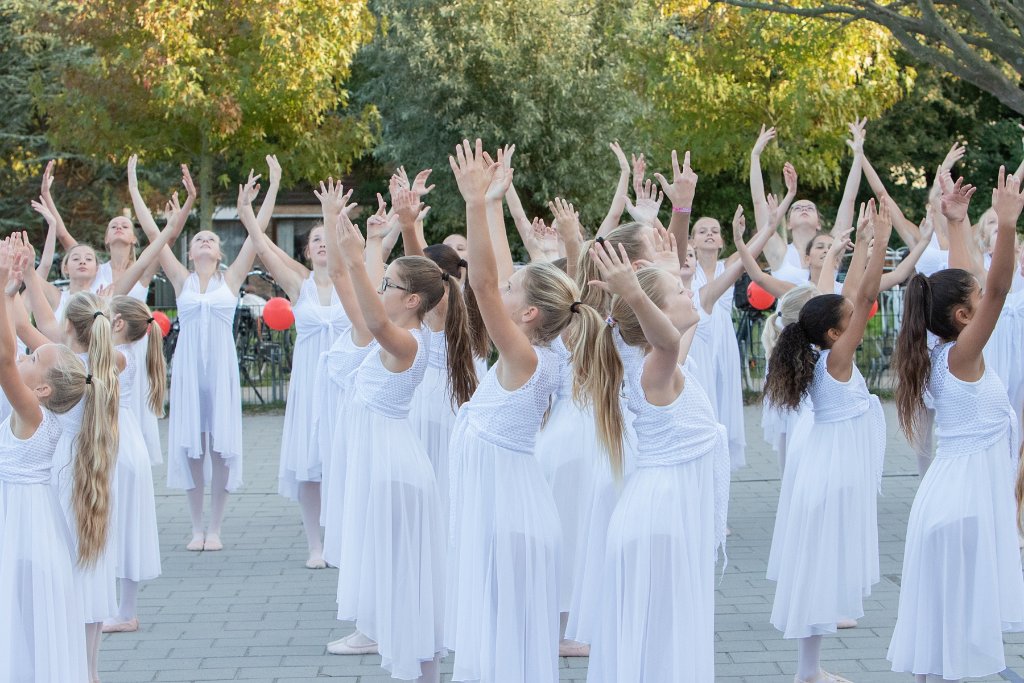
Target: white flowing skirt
[(391, 574), (798, 425), (300, 455), (42, 634), (138, 539), (728, 395), (657, 622), (433, 419), (567, 448), (501, 614), (140, 399), (962, 585), (333, 436), (826, 549)]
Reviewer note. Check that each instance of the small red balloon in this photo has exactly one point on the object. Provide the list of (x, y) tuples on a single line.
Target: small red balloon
[(277, 313), (759, 297), (162, 321), (874, 309)]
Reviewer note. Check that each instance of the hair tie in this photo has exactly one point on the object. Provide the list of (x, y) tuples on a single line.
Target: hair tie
[(97, 314), (463, 263), (445, 276), (575, 307), (150, 319), (88, 379), (779, 325), (611, 322), (599, 240)]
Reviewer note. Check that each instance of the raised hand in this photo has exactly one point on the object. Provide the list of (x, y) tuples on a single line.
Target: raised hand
[(566, 219), (865, 225), (763, 138), (739, 225), (666, 252), (955, 154), (789, 176), (621, 156), (1007, 198), (419, 183), (639, 163), (186, 180), (617, 274), (648, 202), (840, 245), (247, 193), (545, 239), (133, 175), (857, 135), (275, 170), (502, 174), (474, 172), (379, 224), (684, 183), (407, 206), (350, 240), (43, 210), (956, 197), (883, 224), (47, 182), (332, 197), (6, 260)]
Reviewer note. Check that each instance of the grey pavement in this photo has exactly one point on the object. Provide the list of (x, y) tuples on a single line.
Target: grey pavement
[(255, 613)]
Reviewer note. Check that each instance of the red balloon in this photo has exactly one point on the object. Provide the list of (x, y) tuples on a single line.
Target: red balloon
[(874, 309), (759, 297), (278, 314), (162, 321)]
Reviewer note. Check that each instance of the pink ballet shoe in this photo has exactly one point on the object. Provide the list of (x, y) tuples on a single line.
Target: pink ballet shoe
[(343, 647), (570, 648), (197, 542), (213, 542), (846, 623), (130, 626), (823, 677)]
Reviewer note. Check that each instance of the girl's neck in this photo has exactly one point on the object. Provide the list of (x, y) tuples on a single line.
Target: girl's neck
[(436, 316), (815, 272), (75, 346), (120, 257), (322, 276), (77, 285), (801, 237), (205, 270), (707, 259)]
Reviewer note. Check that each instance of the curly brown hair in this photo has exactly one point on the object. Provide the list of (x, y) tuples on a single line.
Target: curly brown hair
[(791, 367)]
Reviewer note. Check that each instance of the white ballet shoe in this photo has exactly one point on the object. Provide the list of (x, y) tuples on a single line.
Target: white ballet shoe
[(213, 542), (823, 677), (343, 646), (846, 623), (197, 542), (571, 648), (316, 561), (130, 626)]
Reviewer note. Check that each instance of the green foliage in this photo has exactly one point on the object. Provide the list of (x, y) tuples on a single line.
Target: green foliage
[(547, 75), (191, 80)]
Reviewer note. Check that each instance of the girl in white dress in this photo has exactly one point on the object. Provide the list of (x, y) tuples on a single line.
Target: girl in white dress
[(829, 544), (962, 585), (501, 615), (391, 576), (657, 624), (41, 637), (319, 319), (206, 402), (139, 548)]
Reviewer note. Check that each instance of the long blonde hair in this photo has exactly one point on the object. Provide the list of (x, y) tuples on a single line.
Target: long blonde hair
[(139, 323), (632, 236), (787, 313), (96, 445), (597, 368)]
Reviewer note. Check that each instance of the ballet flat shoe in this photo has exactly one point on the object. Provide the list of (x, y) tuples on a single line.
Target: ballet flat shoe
[(341, 647), (316, 564), (823, 677), (846, 623), (130, 626)]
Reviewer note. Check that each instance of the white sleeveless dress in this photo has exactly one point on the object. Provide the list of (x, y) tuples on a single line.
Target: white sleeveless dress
[(391, 577), (792, 269), (206, 396), (657, 625), (138, 540), (340, 365), (567, 448), (432, 414), (962, 585), (501, 615), (727, 378), (95, 585), (316, 328), (829, 542), (1002, 352), (42, 639)]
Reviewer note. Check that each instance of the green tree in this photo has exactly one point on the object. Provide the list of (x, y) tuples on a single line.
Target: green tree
[(208, 82), (550, 76)]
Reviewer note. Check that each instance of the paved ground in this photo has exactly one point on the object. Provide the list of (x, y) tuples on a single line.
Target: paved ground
[(253, 612)]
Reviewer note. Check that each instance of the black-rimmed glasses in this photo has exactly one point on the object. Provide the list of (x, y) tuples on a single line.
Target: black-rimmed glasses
[(386, 282)]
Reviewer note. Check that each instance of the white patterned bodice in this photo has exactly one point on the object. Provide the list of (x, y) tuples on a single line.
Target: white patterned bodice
[(105, 276), (29, 461), (437, 357), (126, 378), (313, 319), (390, 393), (834, 401), (969, 416), (563, 356), (512, 419)]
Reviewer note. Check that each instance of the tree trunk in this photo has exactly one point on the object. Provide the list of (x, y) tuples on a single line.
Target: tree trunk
[(205, 185)]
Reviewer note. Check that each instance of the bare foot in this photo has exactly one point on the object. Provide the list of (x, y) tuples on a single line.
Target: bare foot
[(316, 561), (213, 542), (113, 626), (198, 539), (846, 623)]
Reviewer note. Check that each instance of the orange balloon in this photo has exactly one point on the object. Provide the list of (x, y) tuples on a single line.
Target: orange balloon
[(759, 297), (162, 321), (278, 314)]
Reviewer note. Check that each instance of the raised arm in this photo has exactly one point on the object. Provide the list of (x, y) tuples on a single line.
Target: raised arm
[(904, 227), (618, 205), (680, 192), (30, 336), (844, 215), (175, 271), (713, 290), (475, 176), (263, 220), (859, 261), (772, 285), (277, 263), (840, 360), (965, 359), (905, 268), (661, 379), (567, 224), (66, 240), (339, 276), (500, 182), (955, 199), (757, 193), (21, 397), (407, 207), (827, 276), (239, 269), (52, 228)]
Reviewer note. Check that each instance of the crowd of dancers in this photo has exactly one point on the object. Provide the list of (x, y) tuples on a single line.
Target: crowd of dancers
[(508, 464)]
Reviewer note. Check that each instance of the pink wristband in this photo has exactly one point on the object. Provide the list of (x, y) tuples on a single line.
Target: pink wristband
[(680, 209)]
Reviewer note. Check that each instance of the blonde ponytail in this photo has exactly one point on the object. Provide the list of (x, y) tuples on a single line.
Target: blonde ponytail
[(597, 380), (139, 323)]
